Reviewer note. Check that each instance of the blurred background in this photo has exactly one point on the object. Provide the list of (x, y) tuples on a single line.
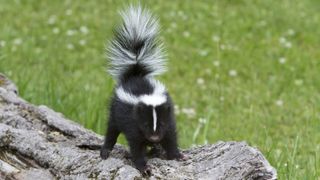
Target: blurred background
[(240, 70)]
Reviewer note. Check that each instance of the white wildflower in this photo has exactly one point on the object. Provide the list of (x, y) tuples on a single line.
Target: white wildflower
[(169, 30), (277, 152), (71, 32), (17, 41), (203, 53), (216, 38), (202, 120), (176, 109), (216, 63), (173, 25), (291, 32), (282, 40), (190, 112), (87, 87), (221, 98), (9, 73), (186, 34), (2, 43), (208, 71), (279, 102), (206, 141), (262, 23), (172, 14), (185, 17), (200, 81), (288, 45), (298, 82), (14, 48), (229, 47), (44, 37), (38, 50), (233, 73), (68, 12), (70, 46), (52, 19), (180, 13), (82, 42), (84, 30), (282, 60), (56, 30)]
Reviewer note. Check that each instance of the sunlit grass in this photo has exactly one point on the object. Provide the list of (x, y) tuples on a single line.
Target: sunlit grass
[(238, 70)]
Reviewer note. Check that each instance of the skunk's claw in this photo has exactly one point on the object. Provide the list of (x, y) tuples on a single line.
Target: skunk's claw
[(146, 171), (178, 156), (182, 157)]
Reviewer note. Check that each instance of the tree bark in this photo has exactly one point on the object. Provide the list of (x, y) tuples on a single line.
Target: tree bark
[(38, 143)]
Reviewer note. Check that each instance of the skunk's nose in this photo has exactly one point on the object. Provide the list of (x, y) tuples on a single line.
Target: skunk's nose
[(154, 138)]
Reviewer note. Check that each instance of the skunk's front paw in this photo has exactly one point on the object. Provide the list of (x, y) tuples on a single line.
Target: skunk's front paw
[(145, 171), (182, 157), (104, 153), (178, 156)]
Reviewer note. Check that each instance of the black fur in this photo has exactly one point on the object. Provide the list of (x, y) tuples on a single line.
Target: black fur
[(136, 122), (133, 68)]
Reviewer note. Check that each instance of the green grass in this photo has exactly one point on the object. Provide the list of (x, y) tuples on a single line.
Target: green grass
[(248, 69)]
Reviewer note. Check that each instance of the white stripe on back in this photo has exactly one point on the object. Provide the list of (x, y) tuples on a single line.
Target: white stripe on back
[(126, 97), (157, 97)]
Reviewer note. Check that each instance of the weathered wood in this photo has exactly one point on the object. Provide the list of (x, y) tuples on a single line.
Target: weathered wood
[(38, 143)]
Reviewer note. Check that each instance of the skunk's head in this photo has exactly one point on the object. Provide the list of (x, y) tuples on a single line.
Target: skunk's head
[(153, 120)]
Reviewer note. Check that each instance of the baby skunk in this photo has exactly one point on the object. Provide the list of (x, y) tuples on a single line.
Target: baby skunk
[(141, 108)]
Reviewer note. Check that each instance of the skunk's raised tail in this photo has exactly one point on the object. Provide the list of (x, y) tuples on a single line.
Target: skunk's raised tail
[(135, 50)]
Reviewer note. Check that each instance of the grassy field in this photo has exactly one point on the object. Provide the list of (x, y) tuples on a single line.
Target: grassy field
[(239, 70)]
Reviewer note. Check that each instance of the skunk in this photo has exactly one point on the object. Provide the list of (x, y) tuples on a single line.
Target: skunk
[(141, 107)]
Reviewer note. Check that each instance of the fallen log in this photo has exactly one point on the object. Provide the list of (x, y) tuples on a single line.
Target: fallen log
[(39, 143)]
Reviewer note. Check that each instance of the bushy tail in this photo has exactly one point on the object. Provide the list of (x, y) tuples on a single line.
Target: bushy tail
[(135, 50)]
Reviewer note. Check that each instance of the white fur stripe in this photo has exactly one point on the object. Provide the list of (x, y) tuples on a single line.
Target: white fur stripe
[(126, 97), (159, 88), (153, 99), (154, 119), (148, 99), (157, 98)]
